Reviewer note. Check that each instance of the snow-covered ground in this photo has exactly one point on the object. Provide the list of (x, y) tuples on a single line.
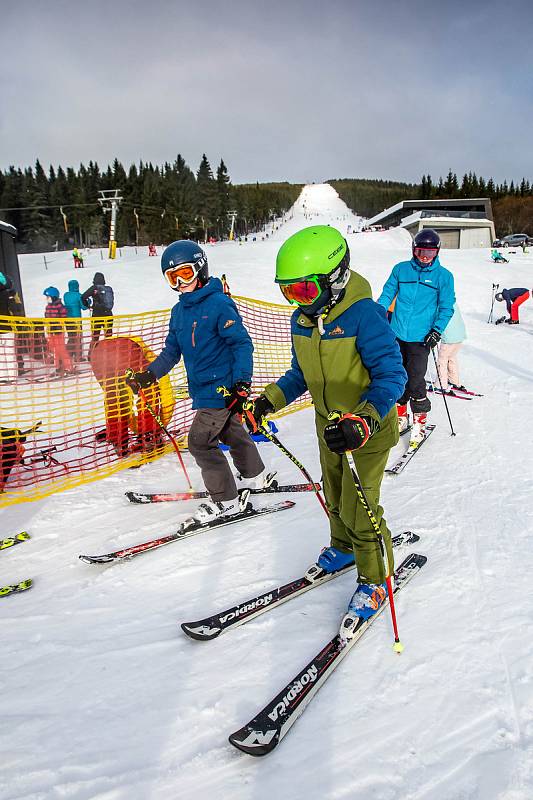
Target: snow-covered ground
[(103, 698)]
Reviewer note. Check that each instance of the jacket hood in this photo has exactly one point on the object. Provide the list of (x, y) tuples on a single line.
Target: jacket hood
[(213, 286), (98, 279), (73, 286)]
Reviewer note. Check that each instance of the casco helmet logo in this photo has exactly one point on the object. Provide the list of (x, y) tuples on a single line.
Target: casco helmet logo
[(339, 248)]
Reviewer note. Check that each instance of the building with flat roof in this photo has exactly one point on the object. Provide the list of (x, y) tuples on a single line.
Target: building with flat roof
[(460, 223)]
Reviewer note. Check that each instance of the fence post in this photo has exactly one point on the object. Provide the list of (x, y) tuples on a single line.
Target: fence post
[(45, 264)]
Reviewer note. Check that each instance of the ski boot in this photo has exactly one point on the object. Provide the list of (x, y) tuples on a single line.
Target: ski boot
[(403, 419), (458, 388), (418, 431), (262, 481), (366, 600), (512, 321), (331, 559), (213, 509)]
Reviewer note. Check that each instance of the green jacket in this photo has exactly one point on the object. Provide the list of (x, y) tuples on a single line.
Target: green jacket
[(354, 365)]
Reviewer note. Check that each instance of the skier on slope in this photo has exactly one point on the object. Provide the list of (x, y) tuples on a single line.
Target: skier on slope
[(513, 299), (425, 296), (345, 354), (207, 330)]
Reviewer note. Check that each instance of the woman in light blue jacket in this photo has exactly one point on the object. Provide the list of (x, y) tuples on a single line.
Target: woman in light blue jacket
[(452, 338)]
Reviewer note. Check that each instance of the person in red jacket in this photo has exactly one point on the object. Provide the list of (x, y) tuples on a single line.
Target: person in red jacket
[(56, 333)]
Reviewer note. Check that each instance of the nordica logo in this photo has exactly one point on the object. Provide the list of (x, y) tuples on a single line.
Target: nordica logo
[(339, 248), (308, 677), (247, 607)]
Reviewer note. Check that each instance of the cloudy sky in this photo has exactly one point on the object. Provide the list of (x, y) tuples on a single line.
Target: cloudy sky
[(297, 90)]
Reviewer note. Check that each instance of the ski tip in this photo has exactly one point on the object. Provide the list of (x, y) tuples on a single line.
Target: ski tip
[(95, 559), (254, 743), (199, 631), (133, 497)]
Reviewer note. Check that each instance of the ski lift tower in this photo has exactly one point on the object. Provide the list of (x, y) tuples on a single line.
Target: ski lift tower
[(110, 200), (233, 215)]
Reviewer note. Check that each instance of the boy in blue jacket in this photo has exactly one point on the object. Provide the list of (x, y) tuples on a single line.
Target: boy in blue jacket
[(425, 296), (207, 331)]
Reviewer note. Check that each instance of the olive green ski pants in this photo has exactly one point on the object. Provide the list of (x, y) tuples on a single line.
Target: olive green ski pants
[(350, 525)]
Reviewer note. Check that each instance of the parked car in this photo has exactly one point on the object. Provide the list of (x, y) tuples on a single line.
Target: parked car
[(513, 240)]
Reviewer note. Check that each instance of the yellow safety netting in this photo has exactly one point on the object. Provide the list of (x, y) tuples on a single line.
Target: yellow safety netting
[(68, 375)]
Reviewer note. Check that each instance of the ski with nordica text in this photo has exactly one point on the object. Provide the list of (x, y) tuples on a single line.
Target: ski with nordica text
[(204, 630), (184, 531), (11, 541), (402, 462), (165, 497), (15, 588), (266, 730)]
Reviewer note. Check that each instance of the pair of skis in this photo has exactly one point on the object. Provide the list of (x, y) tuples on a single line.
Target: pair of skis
[(455, 391), (191, 527), (267, 728), (22, 586)]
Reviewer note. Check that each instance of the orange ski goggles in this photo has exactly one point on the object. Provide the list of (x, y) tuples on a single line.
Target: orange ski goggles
[(183, 274)]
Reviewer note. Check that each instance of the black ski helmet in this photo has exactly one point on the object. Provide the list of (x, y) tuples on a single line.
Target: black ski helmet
[(498, 297), (426, 239), (185, 251)]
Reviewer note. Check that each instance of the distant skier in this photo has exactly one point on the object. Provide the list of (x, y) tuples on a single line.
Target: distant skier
[(78, 258), (497, 257), (56, 331), (345, 354), (453, 336), (425, 295), (74, 305), (514, 299), (100, 298), (207, 331)]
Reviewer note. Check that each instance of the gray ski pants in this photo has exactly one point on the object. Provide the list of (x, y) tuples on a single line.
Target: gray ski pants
[(209, 427)]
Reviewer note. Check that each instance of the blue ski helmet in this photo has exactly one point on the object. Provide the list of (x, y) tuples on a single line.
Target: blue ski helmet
[(185, 251), (52, 292), (426, 246)]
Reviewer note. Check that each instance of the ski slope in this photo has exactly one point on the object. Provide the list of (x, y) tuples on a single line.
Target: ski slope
[(104, 698)]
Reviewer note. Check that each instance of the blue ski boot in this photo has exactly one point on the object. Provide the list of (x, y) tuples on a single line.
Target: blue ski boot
[(331, 559), (367, 599)]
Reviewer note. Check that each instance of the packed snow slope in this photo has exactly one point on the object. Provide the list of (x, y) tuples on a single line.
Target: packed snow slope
[(103, 697)]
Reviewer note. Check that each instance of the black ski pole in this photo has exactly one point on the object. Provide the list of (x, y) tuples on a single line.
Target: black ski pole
[(442, 390)]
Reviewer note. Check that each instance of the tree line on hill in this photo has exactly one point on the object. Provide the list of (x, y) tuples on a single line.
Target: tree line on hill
[(512, 204), (159, 204)]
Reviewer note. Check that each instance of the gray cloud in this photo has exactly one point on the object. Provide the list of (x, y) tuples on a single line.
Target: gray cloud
[(297, 90)]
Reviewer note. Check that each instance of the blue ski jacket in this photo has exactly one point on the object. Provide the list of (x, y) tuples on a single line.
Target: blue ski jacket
[(424, 299), (72, 300), (207, 330)]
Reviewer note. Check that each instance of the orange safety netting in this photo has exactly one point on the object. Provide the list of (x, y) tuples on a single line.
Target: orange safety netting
[(66, 415)]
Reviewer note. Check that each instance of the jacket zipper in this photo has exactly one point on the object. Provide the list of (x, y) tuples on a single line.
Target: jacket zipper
[(193, 329)]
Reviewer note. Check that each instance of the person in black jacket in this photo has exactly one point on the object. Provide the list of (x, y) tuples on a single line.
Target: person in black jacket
[(513, 298), (100, 298)]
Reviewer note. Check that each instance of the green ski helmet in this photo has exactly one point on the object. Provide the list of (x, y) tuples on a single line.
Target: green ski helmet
[(312, 268)]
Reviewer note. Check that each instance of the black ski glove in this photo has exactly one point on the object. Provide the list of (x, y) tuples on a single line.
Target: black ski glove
[(432, 338), (256, 411), (350, 432), (139, 380), (238, 395)]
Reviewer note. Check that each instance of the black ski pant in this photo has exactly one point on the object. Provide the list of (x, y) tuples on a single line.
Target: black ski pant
[(415, 361), (209, 427)]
